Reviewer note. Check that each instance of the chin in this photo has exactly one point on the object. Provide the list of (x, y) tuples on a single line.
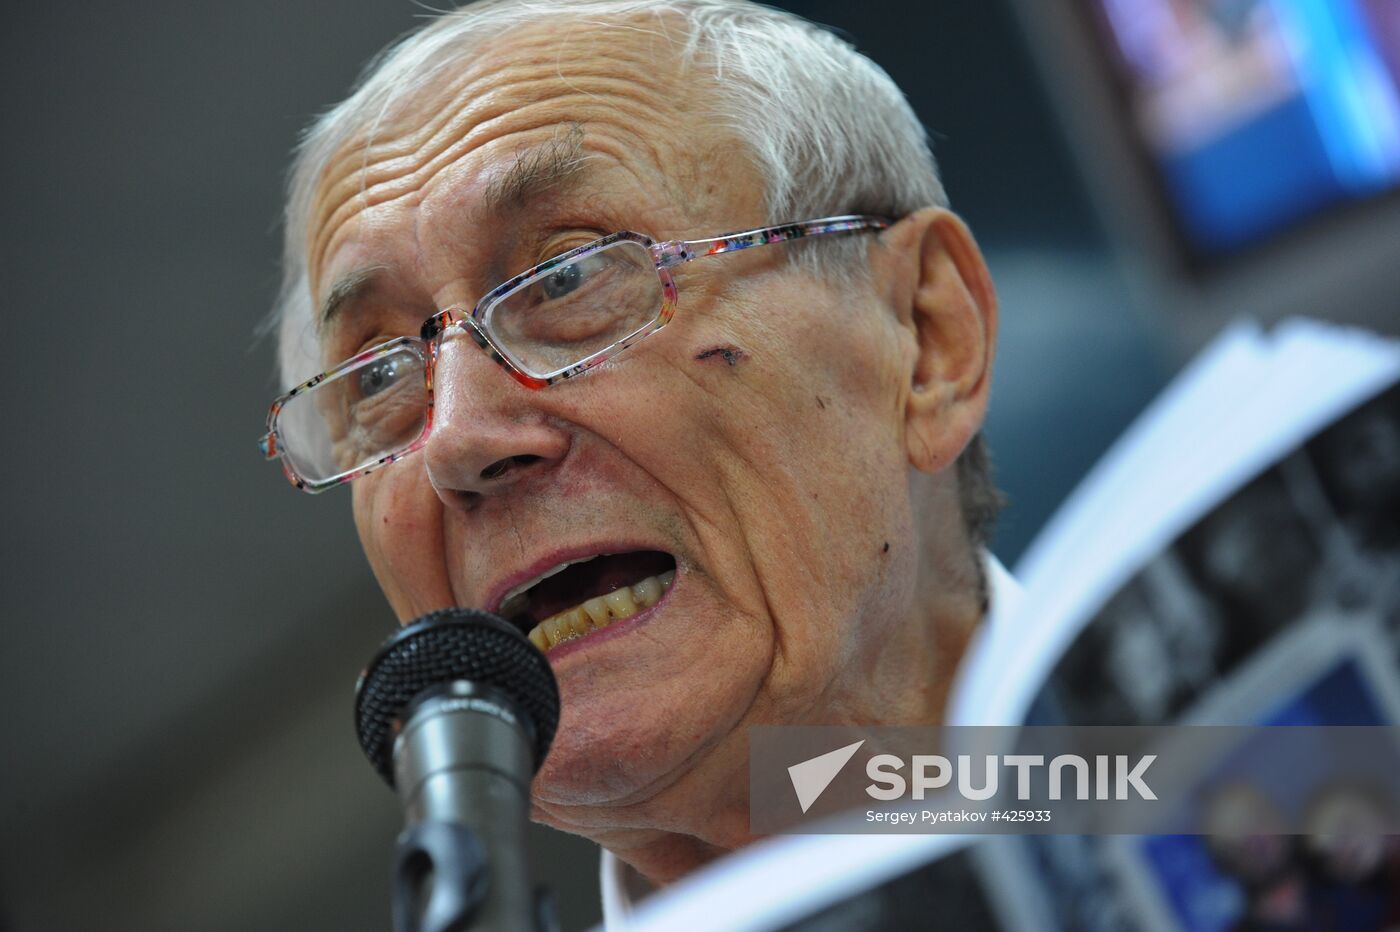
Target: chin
[(625, 745), (591, 766)]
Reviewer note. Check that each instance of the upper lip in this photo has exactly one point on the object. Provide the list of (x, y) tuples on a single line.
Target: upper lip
[(553, 559)]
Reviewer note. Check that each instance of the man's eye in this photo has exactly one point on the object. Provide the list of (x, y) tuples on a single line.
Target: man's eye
[(561, 281), (381, 374), (570, 277)]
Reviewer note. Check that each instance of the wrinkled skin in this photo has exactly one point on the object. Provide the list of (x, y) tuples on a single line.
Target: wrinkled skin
[(802, 480)]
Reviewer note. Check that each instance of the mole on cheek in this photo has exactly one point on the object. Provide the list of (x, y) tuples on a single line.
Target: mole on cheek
[(730, 354)]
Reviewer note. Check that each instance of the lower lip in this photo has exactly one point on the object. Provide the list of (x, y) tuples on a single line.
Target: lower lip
[(615, 630)]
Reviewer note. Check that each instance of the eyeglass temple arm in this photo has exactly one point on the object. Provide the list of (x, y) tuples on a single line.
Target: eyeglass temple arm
[(678, 251)]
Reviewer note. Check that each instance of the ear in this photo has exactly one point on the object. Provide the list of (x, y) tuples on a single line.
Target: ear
[(946, 302)]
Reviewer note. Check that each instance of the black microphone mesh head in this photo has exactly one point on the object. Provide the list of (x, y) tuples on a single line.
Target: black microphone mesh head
[(440, 648)]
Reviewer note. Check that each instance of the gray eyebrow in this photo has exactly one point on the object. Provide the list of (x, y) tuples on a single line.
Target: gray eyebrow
[(537, 171), (346, 288)]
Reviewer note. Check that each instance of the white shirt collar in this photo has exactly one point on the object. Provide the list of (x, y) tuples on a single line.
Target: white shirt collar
[(621, 885)]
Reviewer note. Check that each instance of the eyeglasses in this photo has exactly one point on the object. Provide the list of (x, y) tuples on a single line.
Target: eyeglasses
[(547, 324)]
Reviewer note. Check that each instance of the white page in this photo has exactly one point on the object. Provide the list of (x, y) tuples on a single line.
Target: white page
[(1073, 547), (1244, 403)]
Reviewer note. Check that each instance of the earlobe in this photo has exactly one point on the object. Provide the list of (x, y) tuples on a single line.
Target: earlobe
[(952, 316)]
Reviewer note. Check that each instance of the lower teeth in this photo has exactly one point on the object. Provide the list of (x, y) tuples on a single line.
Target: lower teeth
[(601, 611)]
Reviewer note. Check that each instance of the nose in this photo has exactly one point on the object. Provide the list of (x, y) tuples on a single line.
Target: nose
[(489, 433)]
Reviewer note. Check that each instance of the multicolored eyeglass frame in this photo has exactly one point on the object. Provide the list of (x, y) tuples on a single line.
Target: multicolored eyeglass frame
[(615, 291)]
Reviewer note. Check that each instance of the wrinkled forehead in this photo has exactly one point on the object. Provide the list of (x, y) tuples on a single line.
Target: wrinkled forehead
[(524, 107)]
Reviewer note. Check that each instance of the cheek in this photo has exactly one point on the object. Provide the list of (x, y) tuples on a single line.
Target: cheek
[(785, 410), (809, 396), (399, 521), (827, 439)]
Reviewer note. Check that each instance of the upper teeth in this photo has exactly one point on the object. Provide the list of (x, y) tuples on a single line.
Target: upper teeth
[(509, 607), (601, 611)]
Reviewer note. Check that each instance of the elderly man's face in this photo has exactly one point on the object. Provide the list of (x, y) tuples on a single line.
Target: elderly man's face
[(758, 441)]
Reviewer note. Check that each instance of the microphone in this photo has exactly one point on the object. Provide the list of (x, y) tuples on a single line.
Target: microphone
[(456, 712)]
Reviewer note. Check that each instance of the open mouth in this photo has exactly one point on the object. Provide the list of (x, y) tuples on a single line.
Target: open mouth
[(580, 596)]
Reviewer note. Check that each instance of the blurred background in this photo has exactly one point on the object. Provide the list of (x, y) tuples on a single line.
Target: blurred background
[(182, 629)]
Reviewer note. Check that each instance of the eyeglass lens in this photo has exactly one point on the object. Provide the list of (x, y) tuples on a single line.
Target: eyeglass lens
[(357, 416), (578, 308)]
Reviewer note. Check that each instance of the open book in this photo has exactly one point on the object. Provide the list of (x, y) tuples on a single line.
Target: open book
[(1234, 559)]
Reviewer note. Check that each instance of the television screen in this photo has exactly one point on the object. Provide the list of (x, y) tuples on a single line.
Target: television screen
[(1259, 114)]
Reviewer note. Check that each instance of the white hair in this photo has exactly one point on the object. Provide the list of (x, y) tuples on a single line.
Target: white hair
[(828, 129)]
